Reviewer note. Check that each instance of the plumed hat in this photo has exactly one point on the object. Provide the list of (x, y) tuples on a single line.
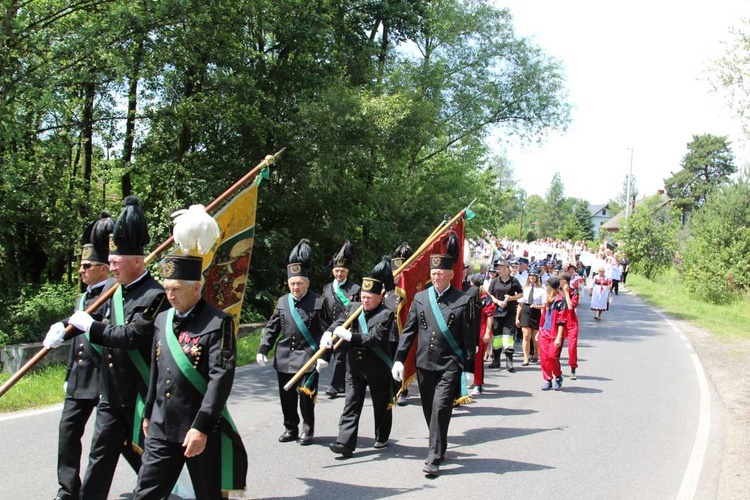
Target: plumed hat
[(401, 254), (345, 256), (299, 259), (95, 239), (130, 233), (380, 278)]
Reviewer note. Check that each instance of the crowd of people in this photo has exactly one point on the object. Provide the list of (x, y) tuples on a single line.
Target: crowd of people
[(157, 362)]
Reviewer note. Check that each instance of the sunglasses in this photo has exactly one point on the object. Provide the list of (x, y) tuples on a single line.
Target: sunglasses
[(89, 265)]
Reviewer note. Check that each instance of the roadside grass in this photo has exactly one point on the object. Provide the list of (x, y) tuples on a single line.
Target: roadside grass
[(44, 386), (39, 387), (668, 294)]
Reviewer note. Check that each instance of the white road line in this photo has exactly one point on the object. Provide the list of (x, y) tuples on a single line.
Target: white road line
[(30, 413), (689, 486)]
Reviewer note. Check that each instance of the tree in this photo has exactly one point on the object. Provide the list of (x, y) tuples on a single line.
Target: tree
[(649, 237), (618, 204), (715, 261), (708, 163)]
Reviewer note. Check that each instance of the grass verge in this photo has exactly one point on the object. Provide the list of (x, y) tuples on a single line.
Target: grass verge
[(42, 387), (667, 293)]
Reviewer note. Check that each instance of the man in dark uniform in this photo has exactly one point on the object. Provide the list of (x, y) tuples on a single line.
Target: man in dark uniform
[(298, 323), (401, 254), (368, 362), (439, 318), (126, 333), (338, 295), (84, 363), (192, 372)]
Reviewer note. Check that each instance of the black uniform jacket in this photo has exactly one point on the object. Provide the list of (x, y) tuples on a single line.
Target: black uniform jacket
[(84, 362), (391, 301), (433, 350), (361, 359), (334, 306), (174, 405), (292, 349), (121, 381)]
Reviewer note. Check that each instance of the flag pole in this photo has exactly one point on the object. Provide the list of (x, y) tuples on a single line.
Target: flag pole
[(442, 228), (267, 161)]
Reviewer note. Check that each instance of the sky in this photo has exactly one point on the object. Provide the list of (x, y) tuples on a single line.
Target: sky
[(638, 79)]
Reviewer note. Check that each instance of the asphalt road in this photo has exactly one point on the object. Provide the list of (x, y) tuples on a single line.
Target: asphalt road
[(630, 427)]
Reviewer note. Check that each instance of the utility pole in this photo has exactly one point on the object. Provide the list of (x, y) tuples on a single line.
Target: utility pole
[(630, 183)]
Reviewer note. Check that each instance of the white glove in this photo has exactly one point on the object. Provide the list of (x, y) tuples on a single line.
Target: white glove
[(81, 320), (65, 386), (327, 340), (343, 333), (55, 336), (398, 371), (320, 364), (469, 378), (261, 359)]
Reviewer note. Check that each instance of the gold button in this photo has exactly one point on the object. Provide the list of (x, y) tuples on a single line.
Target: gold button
[(168, 395), (80, 361), (111, 365), (109, 356), (80, 345)]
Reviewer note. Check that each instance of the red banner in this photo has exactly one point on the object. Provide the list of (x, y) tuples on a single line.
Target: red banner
[(416, 278)]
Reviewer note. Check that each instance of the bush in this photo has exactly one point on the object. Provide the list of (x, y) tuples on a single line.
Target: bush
[(649, 236), (715, 261), (36, 309)]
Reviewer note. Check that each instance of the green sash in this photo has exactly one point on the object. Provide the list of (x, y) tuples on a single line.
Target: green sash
[(140, 364), (340, 294), (376, 349), (301, 324), (451, 341), (82, 307), (201, 385)]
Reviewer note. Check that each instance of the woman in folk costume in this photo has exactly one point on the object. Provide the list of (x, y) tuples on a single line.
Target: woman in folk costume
[(599, 293), (551, 334), (338, 295), (298, 323)]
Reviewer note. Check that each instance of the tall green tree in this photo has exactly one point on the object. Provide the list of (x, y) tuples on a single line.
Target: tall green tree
[(708, 164)]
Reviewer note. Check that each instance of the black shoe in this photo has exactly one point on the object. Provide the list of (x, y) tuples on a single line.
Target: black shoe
[(494, 364), (305, 439), (341, 449), (511, 370), (431, 469), (332, 393), (379, 445), (402, 399), (288, 436)]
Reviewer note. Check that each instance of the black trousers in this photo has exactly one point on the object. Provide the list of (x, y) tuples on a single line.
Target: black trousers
[(112, 435), (616, 286), (338, 381), (379, 382), (162, 464), (437, 391), (289, 401), (75, 414)]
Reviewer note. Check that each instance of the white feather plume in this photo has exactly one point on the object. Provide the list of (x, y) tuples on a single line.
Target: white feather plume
[(194, 228)]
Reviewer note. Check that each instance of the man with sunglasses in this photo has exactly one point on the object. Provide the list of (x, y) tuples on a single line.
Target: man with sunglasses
[(85, 360)]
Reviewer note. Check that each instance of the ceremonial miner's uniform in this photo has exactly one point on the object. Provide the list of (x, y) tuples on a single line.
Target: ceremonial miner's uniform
[(440, 366), (81, 397), (202, 344), (293, 350), (368, 365), (335, 309)]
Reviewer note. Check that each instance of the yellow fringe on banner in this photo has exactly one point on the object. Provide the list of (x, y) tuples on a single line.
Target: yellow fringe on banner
[(309, 392)]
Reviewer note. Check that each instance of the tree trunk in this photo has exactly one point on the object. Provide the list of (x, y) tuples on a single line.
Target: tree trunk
[(89, 90), (127, 148)]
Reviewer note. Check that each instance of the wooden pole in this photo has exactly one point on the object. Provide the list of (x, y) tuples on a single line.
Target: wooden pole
[(267, 161), (444, 226)]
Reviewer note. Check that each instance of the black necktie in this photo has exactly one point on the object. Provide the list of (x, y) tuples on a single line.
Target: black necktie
[(531, 295)]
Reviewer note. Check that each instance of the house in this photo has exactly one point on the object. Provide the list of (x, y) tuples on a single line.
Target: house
[(613, 225), (600, 214)]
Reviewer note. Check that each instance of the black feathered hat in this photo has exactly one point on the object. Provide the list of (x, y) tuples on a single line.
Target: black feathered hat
[(401, 254), (299, 259), (95, 239), (453, 246), (380, 278), (182, 267), (130, 233), (345, 256)]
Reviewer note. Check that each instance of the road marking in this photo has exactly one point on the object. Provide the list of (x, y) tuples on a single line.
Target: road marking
[(689, 486), (30, 413)]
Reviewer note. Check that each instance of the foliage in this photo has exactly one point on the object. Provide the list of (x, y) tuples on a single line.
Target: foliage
[(708, 164), (618, 204), (716, 261), (384, 108), (36, 309), (649, 237), (730, 71)]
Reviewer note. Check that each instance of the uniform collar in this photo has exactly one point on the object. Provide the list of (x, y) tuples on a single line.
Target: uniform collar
[(135, 282)]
